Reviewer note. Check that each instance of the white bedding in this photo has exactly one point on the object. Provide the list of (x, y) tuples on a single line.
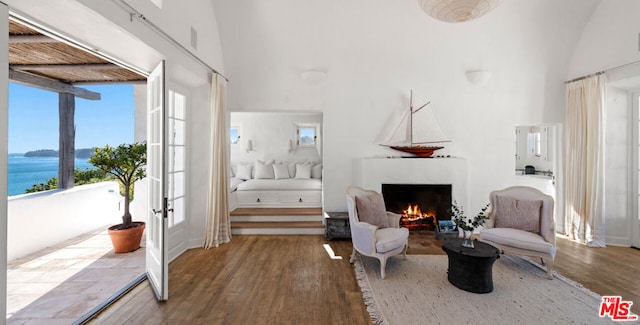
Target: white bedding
[(233, 183), (281, 185)]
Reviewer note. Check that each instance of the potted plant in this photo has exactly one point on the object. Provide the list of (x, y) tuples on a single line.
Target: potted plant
[(465, 224), (126, 163)]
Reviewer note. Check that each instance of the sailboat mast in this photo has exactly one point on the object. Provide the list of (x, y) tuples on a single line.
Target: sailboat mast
[(411, 118)]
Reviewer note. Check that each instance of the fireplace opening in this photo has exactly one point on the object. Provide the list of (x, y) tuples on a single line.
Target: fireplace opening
[(421, 205)]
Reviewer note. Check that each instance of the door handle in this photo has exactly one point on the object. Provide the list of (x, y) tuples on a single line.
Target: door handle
[(156, 211)]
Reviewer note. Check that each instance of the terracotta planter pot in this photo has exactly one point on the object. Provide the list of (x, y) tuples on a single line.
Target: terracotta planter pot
[(126, 240)]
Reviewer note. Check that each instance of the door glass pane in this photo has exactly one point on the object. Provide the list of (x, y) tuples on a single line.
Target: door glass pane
[(180, 102), (179, 159), (179, 132), (178, 211), (178, 179)]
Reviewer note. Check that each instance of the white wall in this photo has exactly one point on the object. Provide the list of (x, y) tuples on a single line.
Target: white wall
[(270, 134), (39, 220), (198, 160), (609, 40), (375, 51)]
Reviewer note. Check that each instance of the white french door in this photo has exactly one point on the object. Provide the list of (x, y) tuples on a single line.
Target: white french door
[(157, 263)]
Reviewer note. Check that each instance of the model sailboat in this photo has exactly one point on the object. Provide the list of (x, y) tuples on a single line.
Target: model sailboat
[(416, 133)]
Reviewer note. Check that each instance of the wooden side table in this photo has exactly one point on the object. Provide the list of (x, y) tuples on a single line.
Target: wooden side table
[(337, 225), (470, 269)]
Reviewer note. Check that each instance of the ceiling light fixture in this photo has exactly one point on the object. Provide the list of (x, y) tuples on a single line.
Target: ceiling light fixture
[(456, 11)]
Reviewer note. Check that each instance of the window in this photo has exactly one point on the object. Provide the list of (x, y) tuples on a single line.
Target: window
[(537, 149), (306, 136), (235, 135), (534, 142)]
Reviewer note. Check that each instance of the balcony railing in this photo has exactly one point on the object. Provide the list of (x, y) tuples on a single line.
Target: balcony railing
[(43, 219)]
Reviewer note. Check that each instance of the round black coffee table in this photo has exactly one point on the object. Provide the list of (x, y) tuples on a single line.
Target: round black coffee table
[(470, 269)]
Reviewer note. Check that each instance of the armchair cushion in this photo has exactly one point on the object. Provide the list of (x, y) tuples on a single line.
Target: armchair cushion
[(388, 239), (518, 238), (517, 214), (371, 210)]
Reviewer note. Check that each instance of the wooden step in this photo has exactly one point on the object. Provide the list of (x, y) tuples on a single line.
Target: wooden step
[(275, 218), (276, 211), (281, 225)]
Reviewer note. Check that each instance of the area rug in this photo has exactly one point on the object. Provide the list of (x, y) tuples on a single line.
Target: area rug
[(416, 291)]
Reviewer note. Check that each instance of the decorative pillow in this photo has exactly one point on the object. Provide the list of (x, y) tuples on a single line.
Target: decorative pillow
[(292, 167), (371, 210), (281, 171), (244, 172), (517, 214), (303, 171), (264, 170), (316, 171)]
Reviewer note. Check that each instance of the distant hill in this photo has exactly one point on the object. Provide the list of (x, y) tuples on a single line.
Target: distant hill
[(80, 153)]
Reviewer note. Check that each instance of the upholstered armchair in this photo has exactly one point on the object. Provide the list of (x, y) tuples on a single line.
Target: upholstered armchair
[(521, 221), (374, 231)]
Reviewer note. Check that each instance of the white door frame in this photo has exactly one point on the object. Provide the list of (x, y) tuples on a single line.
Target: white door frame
[(4, 144), (634, 101)]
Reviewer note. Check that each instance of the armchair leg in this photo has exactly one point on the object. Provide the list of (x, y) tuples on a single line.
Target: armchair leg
[(353, 256), (549, 264), (404, 252), (383, 265)]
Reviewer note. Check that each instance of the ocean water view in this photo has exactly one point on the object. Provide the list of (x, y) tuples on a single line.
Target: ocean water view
[(24, 172)]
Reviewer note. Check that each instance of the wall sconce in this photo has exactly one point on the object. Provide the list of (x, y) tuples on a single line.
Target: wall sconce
[(290, 146), (314, 76), (478, 77), (249, 146)]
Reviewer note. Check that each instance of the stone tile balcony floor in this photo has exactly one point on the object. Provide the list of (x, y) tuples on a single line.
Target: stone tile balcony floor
[(61, 283)]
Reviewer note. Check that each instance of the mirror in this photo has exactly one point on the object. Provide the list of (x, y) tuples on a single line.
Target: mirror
[(535, 147)]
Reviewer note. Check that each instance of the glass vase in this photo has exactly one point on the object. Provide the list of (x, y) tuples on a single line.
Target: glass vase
[(467, 241)]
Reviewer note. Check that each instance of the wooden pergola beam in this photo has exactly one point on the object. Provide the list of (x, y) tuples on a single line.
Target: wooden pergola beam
[(51, 85), (67, 139), (89, 66), (23, 39), (112, 82)]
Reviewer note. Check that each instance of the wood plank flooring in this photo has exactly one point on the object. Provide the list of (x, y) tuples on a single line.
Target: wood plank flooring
[(253, 280), (607, 271), (293, 280)]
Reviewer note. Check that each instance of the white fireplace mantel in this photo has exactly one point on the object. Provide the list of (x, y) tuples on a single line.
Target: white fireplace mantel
[(371, 173)]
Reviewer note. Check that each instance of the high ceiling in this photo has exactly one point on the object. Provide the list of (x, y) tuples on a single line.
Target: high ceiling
[(32, 54)]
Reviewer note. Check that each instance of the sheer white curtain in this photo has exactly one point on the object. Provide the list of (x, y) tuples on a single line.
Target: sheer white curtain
[(218, 227), (584, 189)]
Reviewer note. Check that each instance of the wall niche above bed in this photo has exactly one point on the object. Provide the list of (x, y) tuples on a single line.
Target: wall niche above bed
[(278, 136)]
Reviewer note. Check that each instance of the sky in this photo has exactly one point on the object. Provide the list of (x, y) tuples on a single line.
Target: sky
[(33, 118)]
